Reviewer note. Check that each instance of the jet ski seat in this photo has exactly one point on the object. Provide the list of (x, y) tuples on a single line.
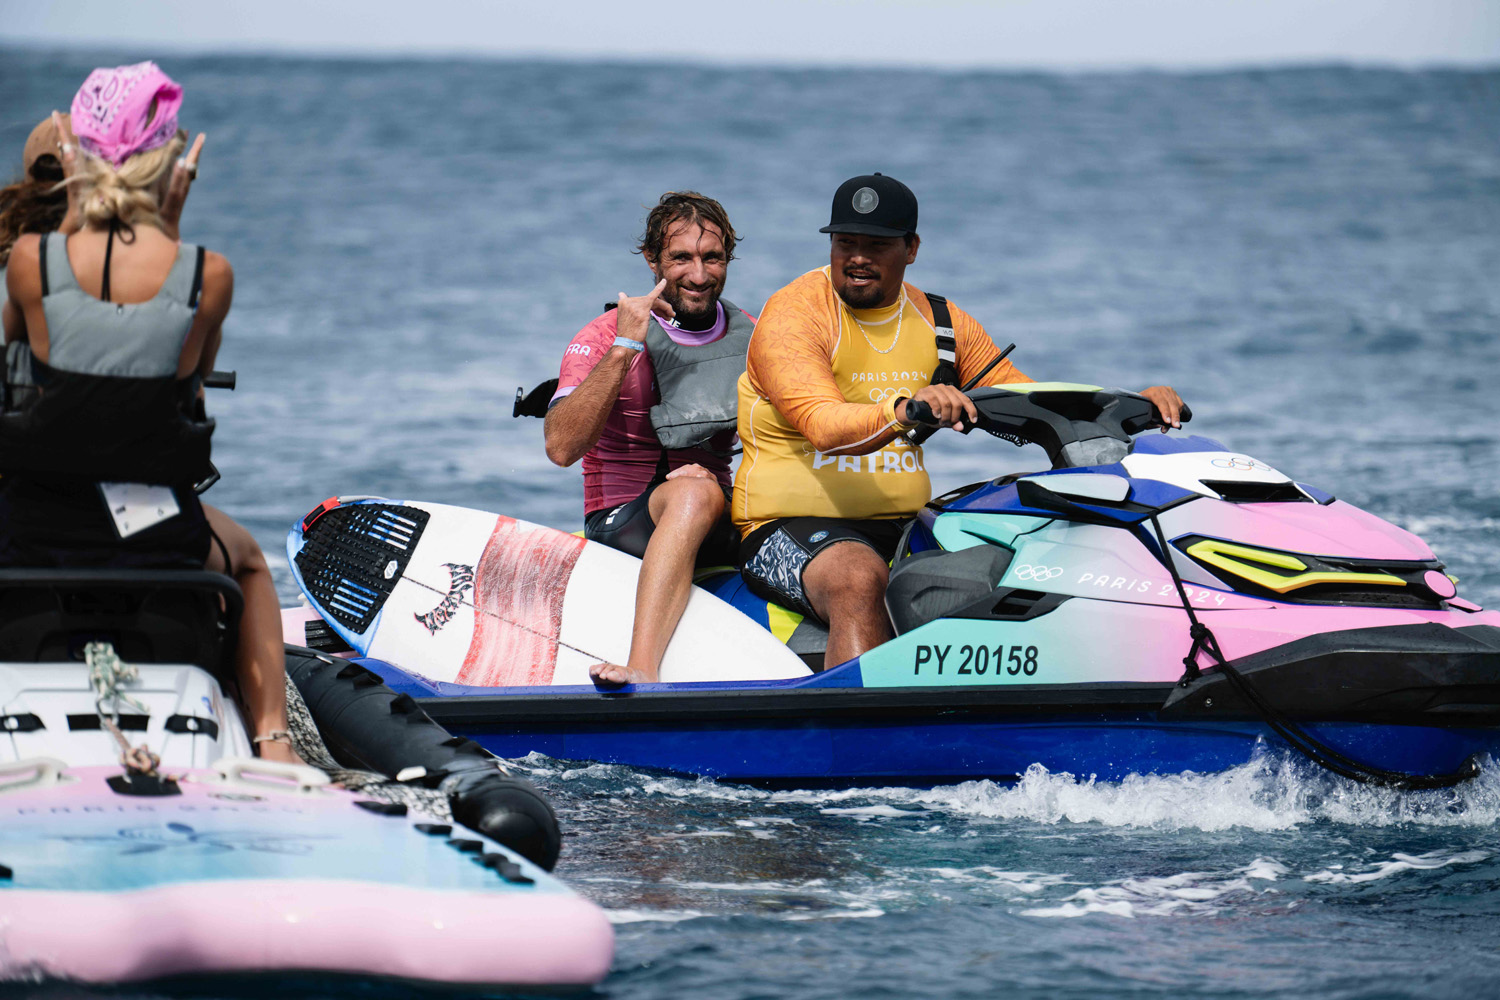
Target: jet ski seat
[(150, 616)]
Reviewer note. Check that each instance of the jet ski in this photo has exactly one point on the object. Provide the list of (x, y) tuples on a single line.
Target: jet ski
[(1149, 604), (140, 839)]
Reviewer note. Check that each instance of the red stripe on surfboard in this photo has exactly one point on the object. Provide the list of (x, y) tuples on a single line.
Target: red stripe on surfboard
[(518, 603)]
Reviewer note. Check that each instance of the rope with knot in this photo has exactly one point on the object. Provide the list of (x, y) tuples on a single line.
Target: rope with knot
[(107, 672)]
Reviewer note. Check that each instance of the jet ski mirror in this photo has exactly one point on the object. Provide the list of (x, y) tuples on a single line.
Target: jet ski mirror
[(1084, 486)]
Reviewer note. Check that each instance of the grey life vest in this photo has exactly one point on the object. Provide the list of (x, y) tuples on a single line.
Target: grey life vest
[(111, 406), (699, 386)]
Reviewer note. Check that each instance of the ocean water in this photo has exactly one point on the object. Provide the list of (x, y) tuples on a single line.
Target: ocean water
[(1311, 256)]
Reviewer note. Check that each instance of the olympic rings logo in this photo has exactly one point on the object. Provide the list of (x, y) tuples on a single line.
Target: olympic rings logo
[(881, 395), (1037, 574), (1241, 464)]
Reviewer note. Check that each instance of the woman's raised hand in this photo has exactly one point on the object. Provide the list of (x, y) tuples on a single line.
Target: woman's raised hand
[(67, 155), (184, 172)]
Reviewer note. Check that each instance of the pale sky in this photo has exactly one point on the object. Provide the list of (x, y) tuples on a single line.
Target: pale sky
[(1005, 34)]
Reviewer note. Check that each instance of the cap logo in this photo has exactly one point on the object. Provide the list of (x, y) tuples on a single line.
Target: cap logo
[(865, 200)]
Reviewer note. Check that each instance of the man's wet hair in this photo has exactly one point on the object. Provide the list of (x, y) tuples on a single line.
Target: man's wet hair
[(684, 206)]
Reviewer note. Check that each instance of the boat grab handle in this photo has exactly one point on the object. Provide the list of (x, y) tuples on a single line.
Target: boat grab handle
[(38, 772), (252, 774)]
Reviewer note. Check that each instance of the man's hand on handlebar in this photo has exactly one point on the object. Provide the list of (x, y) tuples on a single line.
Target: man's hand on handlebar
[(1168, 404), (949, 406)]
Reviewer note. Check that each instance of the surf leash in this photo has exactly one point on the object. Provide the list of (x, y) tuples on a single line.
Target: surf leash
[(1299, 739)]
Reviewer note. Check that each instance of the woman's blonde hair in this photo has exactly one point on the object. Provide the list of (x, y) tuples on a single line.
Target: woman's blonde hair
[(130, 193)]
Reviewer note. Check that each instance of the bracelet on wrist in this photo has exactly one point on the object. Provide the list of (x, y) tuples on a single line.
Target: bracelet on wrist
[(634, 345), (274, 736)]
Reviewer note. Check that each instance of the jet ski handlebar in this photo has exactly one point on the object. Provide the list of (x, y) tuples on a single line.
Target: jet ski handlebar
[(1076, 424)]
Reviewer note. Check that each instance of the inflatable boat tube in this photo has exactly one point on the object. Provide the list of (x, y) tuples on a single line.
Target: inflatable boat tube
[(367, 725)]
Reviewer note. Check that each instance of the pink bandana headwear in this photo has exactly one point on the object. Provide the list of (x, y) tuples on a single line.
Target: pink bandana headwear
[(112, 111)]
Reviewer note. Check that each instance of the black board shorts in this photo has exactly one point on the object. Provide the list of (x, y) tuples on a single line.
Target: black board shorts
[(774, 556), (629, 527)]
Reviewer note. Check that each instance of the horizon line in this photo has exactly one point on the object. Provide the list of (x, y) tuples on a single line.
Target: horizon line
[(259, 49)]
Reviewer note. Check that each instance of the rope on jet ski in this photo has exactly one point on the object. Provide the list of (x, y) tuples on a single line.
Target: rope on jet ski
[(106, 673), (1298, 738)]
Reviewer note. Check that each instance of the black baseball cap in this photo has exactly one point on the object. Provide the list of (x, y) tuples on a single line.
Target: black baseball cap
[(873, 205)]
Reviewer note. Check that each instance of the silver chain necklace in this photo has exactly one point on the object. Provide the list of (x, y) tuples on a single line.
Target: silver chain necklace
[(900, 315)]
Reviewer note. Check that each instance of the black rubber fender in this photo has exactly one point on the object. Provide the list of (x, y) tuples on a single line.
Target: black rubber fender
[(366, 725)]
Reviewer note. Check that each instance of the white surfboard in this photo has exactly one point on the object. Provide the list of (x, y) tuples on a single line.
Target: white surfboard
[(476, 598)]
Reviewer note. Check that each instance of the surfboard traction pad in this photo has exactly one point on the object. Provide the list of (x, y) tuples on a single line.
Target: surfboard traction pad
[(353, 556)]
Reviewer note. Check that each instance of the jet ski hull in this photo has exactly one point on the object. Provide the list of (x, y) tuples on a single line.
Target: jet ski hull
[(1417, 699), (1146, 606)]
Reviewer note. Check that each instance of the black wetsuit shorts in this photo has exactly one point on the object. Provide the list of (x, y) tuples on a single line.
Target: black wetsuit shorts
[(774, 556), (629, 527)]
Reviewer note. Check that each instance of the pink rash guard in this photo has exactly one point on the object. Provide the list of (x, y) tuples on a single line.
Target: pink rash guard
[(623, 463)]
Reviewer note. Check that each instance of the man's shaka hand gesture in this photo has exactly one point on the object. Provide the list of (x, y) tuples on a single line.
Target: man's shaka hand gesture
[(635, 312)]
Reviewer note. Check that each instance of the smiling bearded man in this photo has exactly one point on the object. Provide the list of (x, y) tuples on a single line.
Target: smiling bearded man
[(646, 398)]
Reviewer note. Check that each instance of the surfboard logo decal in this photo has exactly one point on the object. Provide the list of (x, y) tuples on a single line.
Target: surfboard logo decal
[(460, 582)]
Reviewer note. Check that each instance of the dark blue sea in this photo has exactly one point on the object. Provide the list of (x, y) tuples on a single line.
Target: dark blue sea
[(1311, 256)]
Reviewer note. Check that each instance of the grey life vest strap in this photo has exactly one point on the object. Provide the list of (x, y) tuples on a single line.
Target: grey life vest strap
[(699, 385), (946, 372)]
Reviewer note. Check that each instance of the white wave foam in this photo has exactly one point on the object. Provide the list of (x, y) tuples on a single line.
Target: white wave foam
[(759, 885), (1263, 795), (1027, 883), (871, 812), (1192, 893), (1399, 863), (864, 914), (1272, 792), (652, 916), (1241, 797)]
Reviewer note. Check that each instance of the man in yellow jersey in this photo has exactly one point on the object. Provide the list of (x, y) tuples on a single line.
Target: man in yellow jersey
[(828, 479)]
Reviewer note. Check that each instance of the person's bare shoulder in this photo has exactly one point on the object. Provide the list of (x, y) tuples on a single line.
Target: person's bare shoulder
[(216, 268), (23, 276), (218, 286), (216, 272)]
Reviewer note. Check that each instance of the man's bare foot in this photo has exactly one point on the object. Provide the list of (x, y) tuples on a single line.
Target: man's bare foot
[(614, 675)]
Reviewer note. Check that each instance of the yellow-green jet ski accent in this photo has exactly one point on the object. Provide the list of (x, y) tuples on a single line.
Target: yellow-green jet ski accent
[(1238, 559)]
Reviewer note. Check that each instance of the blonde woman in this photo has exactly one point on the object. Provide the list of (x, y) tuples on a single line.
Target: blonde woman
[(122, 322)]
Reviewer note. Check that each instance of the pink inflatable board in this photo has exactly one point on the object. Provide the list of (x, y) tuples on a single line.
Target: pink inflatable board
[(257, 867)]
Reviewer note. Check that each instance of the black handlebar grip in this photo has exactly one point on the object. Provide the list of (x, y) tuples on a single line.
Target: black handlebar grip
[(220, 380), (918, 412), (1185, 414)]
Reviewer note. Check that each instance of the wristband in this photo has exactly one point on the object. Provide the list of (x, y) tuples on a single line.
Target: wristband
[(634, 345)]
